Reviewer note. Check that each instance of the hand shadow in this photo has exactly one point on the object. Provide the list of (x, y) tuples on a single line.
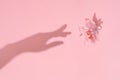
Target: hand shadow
[(35, 43)]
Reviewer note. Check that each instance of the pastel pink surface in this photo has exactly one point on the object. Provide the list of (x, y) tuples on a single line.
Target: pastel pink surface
[(71, 61)]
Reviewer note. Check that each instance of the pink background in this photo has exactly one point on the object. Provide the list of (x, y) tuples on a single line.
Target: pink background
[(72, 60)]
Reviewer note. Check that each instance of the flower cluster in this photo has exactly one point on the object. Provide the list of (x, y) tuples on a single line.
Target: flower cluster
[(91, 29)]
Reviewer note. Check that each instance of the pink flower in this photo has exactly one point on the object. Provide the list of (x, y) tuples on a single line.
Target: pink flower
[(91, 29)]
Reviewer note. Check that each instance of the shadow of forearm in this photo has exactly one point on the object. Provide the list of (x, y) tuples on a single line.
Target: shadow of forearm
[(7, 53), (33, 43)]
